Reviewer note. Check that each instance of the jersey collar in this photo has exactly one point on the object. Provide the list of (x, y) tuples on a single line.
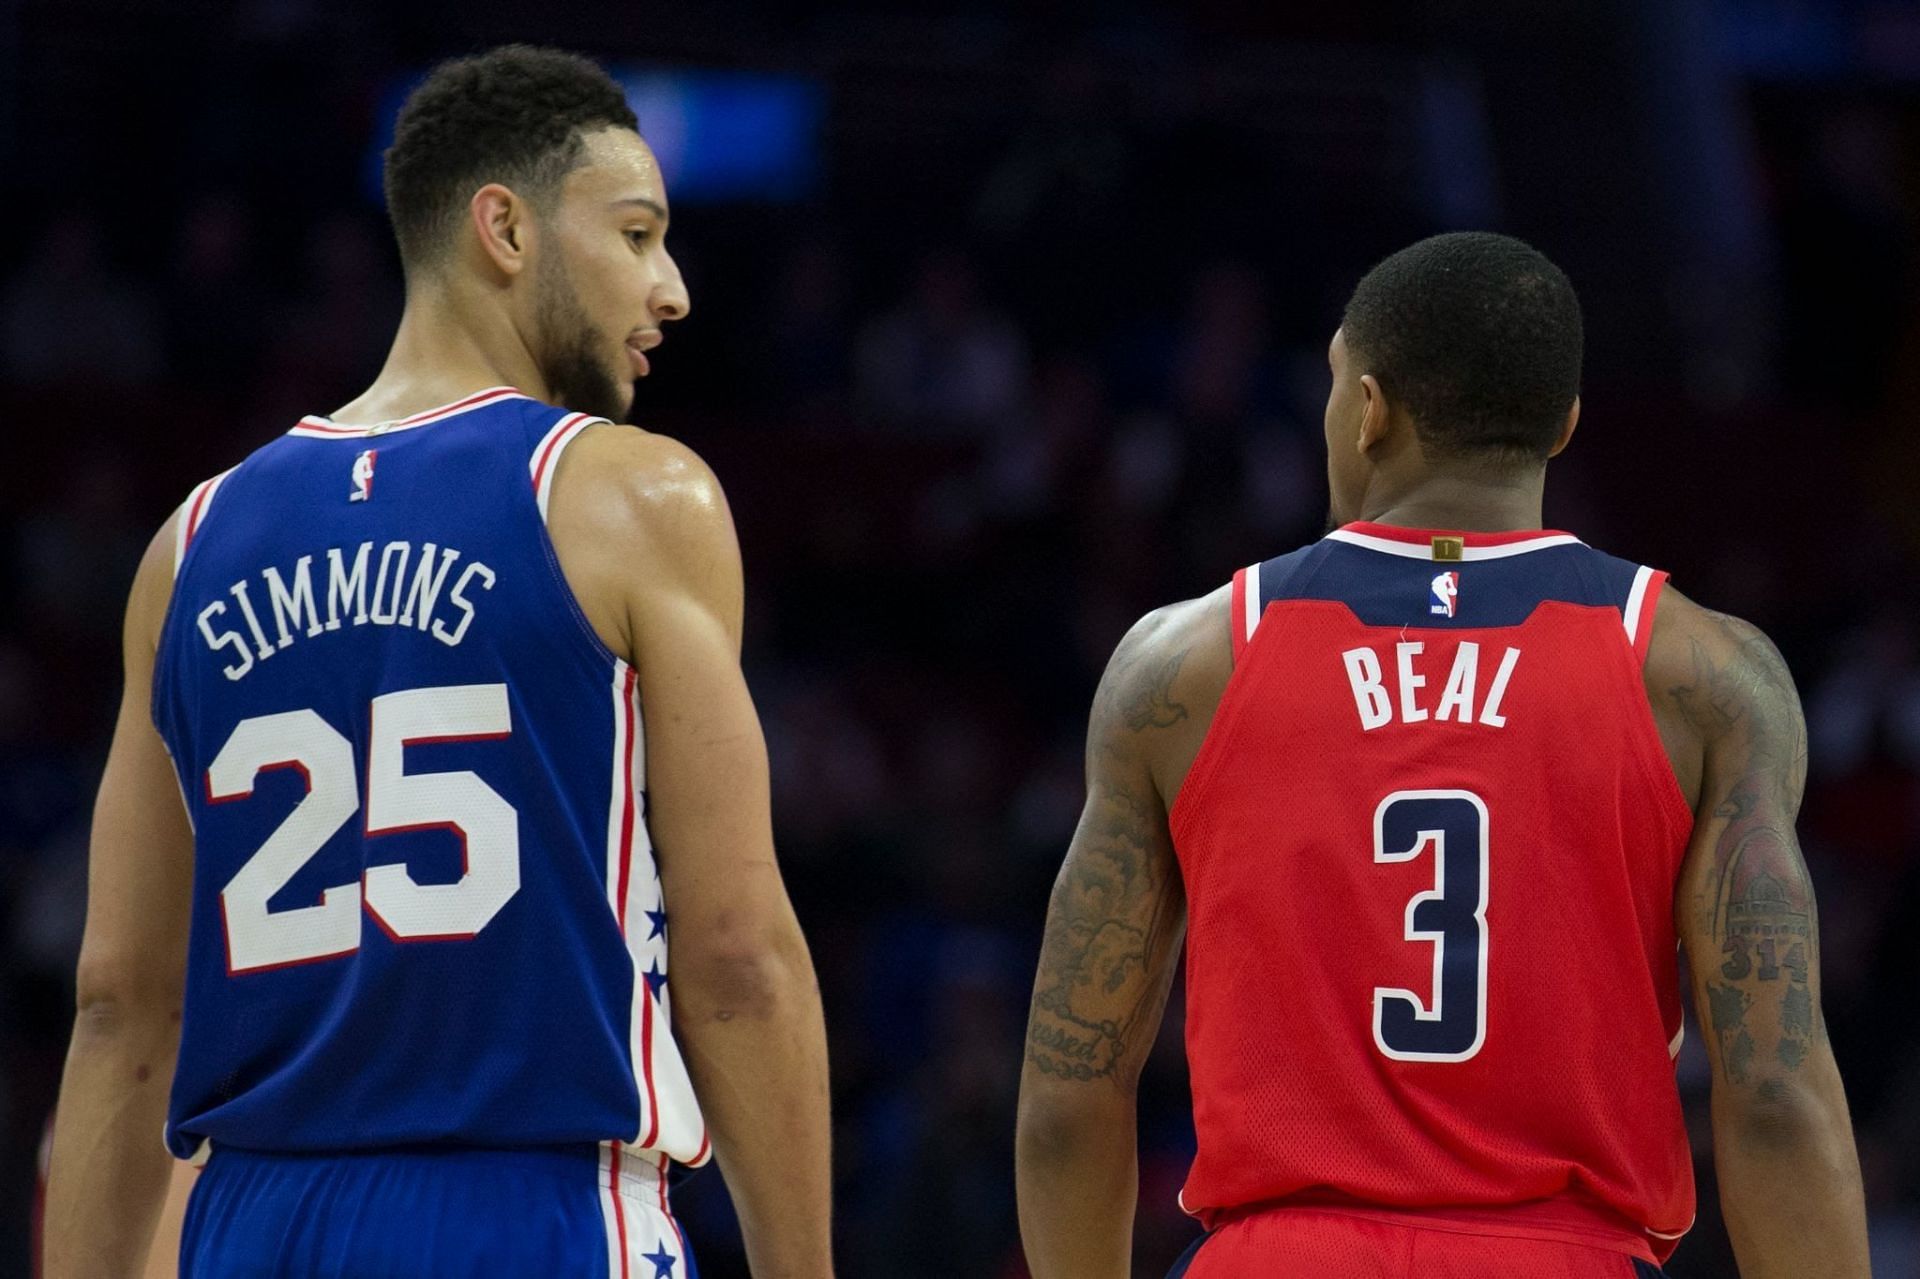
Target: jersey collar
[(326, 428), (1448, 544)]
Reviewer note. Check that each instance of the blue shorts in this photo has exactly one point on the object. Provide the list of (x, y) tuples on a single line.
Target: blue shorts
[(432, 1214)]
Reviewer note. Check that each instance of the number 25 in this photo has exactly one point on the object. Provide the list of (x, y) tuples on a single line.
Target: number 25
[(487, 826)]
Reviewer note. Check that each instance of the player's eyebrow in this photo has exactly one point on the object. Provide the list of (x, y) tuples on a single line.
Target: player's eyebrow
[(655, 205)]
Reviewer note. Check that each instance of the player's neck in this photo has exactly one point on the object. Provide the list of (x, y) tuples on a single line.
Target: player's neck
[(1475, 503), (443, 352)]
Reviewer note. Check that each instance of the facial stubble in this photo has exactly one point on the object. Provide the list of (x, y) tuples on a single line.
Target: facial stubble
[(572, 362)]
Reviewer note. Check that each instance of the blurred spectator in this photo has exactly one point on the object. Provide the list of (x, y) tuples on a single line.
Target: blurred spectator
[(330, 342), (1871, 699), (217, 306), (804, 334), (1223, 365), (69, 317), (944, 361)]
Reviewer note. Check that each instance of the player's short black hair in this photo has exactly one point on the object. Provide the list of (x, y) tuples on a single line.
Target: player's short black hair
[(1479, 336), (514, 114)]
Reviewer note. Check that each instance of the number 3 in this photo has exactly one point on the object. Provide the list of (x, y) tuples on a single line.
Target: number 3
[(1453, 917), (259, 939)]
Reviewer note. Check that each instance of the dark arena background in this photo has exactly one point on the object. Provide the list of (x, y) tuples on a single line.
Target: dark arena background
[(1006, 329)]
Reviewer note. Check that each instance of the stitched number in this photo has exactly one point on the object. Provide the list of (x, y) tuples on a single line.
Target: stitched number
[(258, 938), (486, 825), (1452, 918)]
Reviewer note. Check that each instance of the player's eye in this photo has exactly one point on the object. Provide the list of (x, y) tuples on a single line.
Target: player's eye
[(638, 238)]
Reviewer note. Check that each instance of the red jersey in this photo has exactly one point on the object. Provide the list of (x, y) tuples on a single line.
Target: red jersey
[(1429, 847)]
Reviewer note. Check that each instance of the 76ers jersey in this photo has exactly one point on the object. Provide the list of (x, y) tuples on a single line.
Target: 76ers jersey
[(1429, 848), (425, 906)]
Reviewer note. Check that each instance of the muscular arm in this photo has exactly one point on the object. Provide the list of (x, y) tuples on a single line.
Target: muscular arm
[(109, 1170), (644, 534), (1783, 1145), (1113, 935)]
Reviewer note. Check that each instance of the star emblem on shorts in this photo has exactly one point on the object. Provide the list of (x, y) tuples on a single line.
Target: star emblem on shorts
[(657, 921), (655, 978), (662, 1260)]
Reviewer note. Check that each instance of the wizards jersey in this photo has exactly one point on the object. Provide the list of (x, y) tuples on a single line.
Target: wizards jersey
[(1429, 847), (425, 905)]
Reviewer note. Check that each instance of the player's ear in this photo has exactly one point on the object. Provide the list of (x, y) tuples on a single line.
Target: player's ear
[(1375, 414), (1566, 430), (499, 219)]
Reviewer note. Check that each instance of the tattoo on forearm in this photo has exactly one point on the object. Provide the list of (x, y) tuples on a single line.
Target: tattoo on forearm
[(1757, 905), (1110, 918), (1116, 914)]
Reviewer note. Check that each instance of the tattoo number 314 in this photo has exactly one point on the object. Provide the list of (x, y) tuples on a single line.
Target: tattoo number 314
[(1741, 952)]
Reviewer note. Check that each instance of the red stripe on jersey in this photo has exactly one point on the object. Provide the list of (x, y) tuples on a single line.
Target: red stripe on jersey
[(626, 805), (646, 1060), (472, 401), (666, 1211), (619, 1210), (622, 883), (476, 400), (552, 446), (199, 504)]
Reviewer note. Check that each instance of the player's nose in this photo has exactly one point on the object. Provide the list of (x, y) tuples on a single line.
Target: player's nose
[(670, 300)]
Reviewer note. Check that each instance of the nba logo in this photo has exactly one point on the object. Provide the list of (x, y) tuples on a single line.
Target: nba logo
[(362, 477), (1446, 594)]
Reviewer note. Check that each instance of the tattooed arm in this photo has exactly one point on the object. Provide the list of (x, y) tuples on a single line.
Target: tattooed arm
[(1783, 1146), (1113, 935)]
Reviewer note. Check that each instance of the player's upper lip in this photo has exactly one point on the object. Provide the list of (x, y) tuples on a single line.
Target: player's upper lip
[(646, 339)]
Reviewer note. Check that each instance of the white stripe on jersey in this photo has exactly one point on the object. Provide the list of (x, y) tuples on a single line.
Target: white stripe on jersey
[(1636, 600), (1250, 589), (1414, 551), (545, 462), (193, 513), (643, 1238)]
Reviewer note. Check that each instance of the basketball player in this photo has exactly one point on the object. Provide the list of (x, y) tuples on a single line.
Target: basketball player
[(437, 674), (1433, 802)]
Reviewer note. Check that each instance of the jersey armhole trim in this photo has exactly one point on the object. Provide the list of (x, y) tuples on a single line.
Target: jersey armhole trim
[(193, 514), (545, 462), (1246, 608), (1638, 612), (1226, 712)]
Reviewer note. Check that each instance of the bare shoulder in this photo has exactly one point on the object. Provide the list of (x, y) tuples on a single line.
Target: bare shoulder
[(1720, 688), (1161, 687), (152, 589), (649, 487), (639, 522)]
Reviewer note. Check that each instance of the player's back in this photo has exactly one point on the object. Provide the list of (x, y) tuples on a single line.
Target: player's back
[(1429, 848), (425, 907)]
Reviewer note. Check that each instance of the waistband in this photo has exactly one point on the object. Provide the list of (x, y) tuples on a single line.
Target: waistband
[(1560, 1220), (640, 1173)]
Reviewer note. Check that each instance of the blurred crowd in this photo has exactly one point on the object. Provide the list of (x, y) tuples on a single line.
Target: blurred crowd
[(979, 402)]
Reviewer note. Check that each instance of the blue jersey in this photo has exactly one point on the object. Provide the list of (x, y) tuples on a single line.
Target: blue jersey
[(425, 905)]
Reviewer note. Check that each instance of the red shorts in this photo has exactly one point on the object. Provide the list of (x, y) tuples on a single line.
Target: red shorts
[(1313, 1243)]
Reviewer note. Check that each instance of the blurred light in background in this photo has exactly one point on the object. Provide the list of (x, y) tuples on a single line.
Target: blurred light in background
[(720, 135)]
